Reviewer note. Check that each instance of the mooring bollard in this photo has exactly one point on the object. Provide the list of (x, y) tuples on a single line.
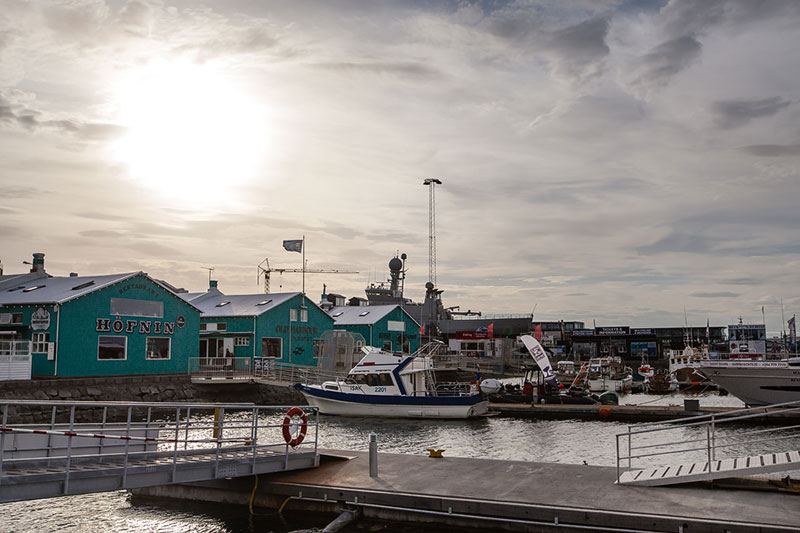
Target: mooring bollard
[(373, 455)]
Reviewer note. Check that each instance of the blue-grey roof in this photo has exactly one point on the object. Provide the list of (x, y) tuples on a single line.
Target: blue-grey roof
[(361, 315), (212, 303), (56, 289)]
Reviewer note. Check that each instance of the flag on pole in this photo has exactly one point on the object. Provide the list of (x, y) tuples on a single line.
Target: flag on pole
[(490, 330), (537, 332), (708, 331), (422, 329), (792, 334), (293, 245)]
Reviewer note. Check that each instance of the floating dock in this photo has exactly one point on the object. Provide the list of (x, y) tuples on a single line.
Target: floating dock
[(485, 494), (625, 413)]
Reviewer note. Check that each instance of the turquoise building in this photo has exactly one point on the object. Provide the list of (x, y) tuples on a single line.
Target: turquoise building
[(117, 324), (384, 326), (286, 326)]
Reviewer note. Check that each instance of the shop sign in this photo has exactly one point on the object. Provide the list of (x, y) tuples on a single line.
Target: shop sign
[(180, 321), (612, 330), (144, 327), (40, 319), (472, 335), (582, 332), (643, 331)]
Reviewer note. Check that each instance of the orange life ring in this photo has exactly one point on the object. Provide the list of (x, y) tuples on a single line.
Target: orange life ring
[(604, 412), (287, 423)]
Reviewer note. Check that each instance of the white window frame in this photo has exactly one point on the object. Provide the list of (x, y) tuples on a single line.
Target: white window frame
[(169, 351), (39, 341), (293, 315), (304, 315), (280, 346), (117, 307), (125, 346), (242, 341)]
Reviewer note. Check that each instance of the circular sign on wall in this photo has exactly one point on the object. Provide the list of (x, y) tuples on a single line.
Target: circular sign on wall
[(40, 319), (180, 321)]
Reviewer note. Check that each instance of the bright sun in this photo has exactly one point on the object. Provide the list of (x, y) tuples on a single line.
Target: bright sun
[(191, 132)]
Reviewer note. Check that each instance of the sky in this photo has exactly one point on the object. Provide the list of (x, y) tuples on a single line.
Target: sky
[(616, 162)]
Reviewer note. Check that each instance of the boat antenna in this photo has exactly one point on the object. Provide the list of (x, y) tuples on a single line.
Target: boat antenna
[(783, 325)]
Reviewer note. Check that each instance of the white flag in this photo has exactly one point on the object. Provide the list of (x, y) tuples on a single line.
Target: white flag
[(293, 246), (540, 356)]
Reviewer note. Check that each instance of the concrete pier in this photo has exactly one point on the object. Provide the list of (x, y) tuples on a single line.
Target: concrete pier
[(488, 494)]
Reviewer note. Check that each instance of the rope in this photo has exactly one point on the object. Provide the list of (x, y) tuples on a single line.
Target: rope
[(253, 494)]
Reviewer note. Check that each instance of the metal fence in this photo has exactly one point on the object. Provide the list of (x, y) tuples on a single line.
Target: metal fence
[(712, 439), (142, 444), (220, 368), (15, 360)]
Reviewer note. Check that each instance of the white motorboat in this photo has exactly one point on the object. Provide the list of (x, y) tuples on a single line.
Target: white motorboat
[(385, 384), (756, 382)]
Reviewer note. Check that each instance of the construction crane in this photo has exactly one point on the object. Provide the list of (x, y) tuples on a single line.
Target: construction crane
[(264, 270), (432, 183)]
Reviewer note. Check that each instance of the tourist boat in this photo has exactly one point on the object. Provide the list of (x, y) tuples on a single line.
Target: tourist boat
[(566, 371), (608, 374), (756, 382), (391, 385), (660, 382)]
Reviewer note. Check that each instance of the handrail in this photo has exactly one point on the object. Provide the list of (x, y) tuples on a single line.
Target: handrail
[(713, 441)]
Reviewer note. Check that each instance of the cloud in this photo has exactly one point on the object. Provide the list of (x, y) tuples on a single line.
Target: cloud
[(16, 111), (580, 51), (721, 294), (678, 242), (690, 16), (654, 70), (773, 150), (736, 113), (20, 191), (413, 71)]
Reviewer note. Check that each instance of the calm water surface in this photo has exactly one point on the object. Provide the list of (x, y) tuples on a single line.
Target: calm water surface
[(562, 441)]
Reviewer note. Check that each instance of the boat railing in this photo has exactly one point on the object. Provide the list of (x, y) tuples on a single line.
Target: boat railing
[(267, 369), (711, 437)]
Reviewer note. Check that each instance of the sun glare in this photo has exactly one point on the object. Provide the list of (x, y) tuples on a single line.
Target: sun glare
[(191, 132)]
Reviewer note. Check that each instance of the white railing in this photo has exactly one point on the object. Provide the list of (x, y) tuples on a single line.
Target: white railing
[(267, 369), (15, 360), (145, 436), (220, 368), (710, 437)]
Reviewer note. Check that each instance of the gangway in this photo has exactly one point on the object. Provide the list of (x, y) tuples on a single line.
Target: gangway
[(711, 446), (87, 447)]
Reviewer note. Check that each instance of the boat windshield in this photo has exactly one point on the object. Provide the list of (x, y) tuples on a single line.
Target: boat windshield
[(371, 380)]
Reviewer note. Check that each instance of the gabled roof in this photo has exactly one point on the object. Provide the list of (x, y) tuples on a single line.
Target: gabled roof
[(24, 290), (213, 302), (362, 315)]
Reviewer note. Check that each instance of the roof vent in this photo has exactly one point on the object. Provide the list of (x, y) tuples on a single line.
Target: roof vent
[(73, 274), (364, 313), (82, 285), (221, 304), (31, 289), (338, 313), (263, 302)]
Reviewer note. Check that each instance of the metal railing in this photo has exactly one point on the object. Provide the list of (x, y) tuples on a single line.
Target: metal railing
[(272, 371), (220, 368), (84, 438), (710, 437), (15, 360)]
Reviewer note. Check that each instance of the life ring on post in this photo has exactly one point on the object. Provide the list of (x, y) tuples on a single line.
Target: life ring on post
[(289, 423)]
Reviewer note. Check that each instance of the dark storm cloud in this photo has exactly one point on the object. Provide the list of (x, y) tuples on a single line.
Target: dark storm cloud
[(773, 150), (722, 294), (382, 68), (581, 50), (18, 114), (655, 69), (735, 113)]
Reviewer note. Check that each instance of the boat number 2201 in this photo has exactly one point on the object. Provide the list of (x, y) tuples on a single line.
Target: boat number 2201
[(380, 389)]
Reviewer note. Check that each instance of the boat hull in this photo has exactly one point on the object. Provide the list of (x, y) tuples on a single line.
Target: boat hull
[(603, 384), (385, 406), (756, 382)]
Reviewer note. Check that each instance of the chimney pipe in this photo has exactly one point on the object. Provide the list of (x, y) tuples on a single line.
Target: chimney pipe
[(38, 262), (212, 284)]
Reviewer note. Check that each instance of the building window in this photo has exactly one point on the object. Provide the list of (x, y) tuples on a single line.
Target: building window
[(40, 341), (271, 347), (131, 307), (10, 318), (242, 341), (293, 315), (319, 346), (203, 326), (158, 348), (222, 326), (387, 345), (110, 347), (304, 315)]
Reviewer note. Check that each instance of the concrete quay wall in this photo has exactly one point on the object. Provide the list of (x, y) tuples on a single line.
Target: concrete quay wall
[(151, 389)]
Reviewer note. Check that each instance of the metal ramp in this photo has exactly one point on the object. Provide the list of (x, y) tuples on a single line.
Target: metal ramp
[(713, 445), (94, 447), (690, 472)]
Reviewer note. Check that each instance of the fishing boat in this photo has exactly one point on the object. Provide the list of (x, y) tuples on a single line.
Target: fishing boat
[(608, 374), (396, 385), (756, 382), (660, 382)]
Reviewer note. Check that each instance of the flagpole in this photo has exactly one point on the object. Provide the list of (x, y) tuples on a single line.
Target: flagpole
[(304, 266)]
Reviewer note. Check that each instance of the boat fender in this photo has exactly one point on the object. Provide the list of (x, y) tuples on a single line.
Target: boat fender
[(604, 412), (288, 422)]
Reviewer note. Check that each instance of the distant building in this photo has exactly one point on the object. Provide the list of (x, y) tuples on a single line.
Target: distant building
[(385, 326)]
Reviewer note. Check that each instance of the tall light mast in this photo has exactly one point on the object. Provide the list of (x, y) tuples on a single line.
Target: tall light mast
[(432, 183)]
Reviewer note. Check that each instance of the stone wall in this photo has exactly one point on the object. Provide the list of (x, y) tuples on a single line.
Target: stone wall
[(151, 389)]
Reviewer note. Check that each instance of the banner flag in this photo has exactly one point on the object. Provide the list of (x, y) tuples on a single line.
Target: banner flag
[(491, 330), (540, 356), (792, 334), (293, 245), (537, 333)]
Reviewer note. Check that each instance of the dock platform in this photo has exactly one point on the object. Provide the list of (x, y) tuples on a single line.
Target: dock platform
[(487, 494), (623, 413)]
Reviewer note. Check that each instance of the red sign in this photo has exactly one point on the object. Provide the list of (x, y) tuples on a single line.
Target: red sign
[(472, 335)]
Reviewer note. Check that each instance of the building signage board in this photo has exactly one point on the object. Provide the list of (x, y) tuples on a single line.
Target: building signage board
[(582, 332), (472, 334), (612, 330), (40, 319), (643, 331)]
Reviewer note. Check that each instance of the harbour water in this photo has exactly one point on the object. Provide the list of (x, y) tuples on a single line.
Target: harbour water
[(561, 441)]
